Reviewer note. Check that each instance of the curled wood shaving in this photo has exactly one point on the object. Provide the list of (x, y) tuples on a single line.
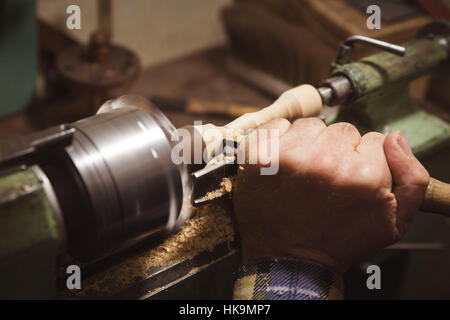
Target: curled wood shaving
[(224, 187)]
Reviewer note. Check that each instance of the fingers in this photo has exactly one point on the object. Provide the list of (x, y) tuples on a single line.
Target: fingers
[(342, 135), (370, 142), (374, 169), (410, 178), (371, 148)]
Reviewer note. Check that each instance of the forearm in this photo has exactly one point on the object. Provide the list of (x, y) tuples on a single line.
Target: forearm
[(286, 279)]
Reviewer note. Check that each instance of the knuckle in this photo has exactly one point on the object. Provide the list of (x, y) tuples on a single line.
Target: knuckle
[(344, 130), (373, 135), (304, 122), (343, 127)]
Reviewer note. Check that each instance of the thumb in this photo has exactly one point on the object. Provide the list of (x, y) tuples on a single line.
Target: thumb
[(410, 178)]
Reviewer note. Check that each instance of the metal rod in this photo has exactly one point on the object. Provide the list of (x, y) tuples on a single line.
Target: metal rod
[(104, 16), (386, 46), (326, 93)]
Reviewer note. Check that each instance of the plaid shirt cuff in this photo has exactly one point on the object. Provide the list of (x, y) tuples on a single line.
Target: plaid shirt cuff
[(286, 279)]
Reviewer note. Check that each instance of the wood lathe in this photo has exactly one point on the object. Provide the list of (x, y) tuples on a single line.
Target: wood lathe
[(88, 189)]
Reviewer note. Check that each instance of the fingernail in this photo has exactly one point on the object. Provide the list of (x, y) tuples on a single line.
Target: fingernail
[(403, 143)]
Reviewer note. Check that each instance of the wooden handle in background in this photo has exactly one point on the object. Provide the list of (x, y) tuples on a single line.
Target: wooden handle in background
[(437, 198)]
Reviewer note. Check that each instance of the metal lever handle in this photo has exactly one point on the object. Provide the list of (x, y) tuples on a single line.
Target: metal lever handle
[(18, 149), (346, 48)]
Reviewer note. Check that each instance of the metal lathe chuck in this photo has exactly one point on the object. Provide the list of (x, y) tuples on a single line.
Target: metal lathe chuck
[(114, 179)]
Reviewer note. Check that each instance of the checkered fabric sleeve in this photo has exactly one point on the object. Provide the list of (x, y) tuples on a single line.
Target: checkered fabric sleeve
[(286, 279)]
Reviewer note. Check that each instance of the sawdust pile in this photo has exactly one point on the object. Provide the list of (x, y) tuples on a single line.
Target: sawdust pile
[(209, 226)]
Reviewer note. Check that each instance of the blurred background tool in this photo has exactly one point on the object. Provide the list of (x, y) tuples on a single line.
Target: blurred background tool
[(100, 70), (76, 76), (97, 70)]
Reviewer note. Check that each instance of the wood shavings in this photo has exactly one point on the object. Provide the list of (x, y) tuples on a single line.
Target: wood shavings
[(225, 187), (209, 226), (227, 184), (233, 134)]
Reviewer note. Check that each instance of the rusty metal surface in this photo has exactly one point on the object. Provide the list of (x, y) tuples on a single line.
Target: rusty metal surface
[(99, 65), (96, 72)]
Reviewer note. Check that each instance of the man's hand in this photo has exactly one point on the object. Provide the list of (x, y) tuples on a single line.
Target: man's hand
[(336, 198)]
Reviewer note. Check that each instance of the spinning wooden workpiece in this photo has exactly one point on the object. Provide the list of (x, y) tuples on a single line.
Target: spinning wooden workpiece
[(300, 102)]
